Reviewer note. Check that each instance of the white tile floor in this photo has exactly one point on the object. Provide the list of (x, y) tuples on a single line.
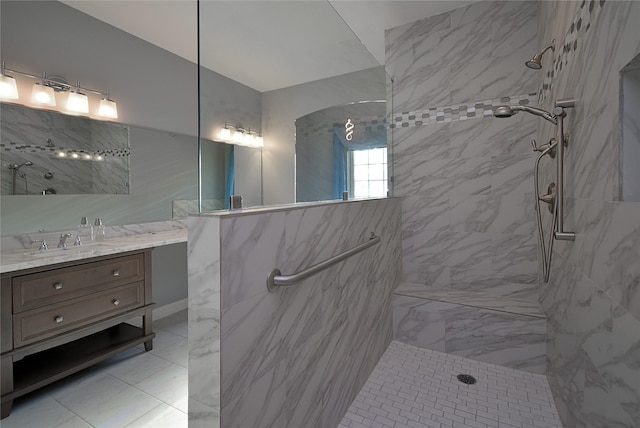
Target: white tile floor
[(410, 387), (415, 387), (132, 389)]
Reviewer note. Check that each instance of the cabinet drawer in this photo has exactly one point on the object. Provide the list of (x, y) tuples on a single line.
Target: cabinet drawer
[(40, 289), (38, 324)]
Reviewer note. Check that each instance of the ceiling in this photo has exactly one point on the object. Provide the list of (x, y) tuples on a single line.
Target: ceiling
[(268, 45)]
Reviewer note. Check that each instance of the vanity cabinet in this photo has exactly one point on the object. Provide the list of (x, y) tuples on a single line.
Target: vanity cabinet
[(59, 319)]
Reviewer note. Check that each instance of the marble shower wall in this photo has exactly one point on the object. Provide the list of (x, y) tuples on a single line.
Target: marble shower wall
[(592, 301), (466, 177), (298, 356), (507, 339)]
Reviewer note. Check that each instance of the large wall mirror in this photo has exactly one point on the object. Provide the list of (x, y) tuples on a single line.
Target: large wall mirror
[(147, 169), (155, 87)]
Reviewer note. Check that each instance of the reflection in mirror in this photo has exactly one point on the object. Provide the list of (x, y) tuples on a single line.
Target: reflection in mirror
[(46, 152), (342, 149), (156, 94), (163, 186), (154, 82)]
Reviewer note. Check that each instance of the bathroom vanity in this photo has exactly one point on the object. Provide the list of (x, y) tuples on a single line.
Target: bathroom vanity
[(64, 311), (62, 318)]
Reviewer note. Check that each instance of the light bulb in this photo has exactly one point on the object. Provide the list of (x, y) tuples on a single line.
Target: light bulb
[(238, 136), (87, 156), (259, 141), (74, 155), (108, 108), (62, 154), (98, 157)]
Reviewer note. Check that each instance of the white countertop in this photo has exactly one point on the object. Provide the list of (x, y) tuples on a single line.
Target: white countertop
[(15, 260)]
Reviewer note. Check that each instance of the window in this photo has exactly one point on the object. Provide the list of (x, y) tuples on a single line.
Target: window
[(368, 178)]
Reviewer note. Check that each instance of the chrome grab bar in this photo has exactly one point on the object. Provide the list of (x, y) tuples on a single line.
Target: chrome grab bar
[(276, 279), (560, 233)]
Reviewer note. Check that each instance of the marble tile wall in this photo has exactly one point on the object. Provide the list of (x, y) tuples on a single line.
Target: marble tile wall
[(592, 298), (465, 176), (492, 336), (630, 179), (298, 356)]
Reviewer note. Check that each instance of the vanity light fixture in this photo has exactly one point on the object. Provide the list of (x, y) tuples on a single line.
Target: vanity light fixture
[(43, 93), (240, 136), (8, 87)]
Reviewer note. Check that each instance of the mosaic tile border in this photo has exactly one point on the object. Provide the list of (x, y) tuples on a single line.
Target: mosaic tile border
[(583, 20), (37, 149), (459, 112)]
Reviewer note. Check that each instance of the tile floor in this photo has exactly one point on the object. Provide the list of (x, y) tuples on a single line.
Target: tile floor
[(132, 389), (417, 388), (410, 387)]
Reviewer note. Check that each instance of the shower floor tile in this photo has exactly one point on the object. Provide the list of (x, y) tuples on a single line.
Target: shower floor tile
[(415, 387)]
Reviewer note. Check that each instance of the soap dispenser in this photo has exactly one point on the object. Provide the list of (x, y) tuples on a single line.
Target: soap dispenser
[(98, 228), (85, 230)]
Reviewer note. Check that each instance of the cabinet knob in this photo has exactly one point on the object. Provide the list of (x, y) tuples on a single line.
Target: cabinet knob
[(59, 319), (116, 272), (116, 302), (57, 286)]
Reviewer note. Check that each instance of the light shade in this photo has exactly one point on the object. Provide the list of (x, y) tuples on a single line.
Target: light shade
[(43, 95), (248, 139), (108, 108), (238, 136), (259, 141), (8, 87), (77, 102), (225, 133)]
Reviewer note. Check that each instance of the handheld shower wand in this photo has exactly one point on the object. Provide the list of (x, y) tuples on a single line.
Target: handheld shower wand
[(508, 111)]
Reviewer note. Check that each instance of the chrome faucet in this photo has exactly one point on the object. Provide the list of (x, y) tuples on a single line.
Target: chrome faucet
[(43, 244), (63, 240)]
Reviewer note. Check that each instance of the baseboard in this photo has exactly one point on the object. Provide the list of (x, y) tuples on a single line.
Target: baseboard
[(162, 311), (170, 308)]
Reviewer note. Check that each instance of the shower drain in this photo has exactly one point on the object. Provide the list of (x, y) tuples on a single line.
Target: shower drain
[(465, 378)]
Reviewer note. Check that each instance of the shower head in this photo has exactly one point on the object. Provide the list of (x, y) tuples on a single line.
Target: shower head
[(508, 111), (536, 61), (504, 111)]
